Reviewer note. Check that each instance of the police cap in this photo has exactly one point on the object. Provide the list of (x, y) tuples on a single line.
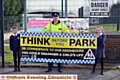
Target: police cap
[(55, 14)]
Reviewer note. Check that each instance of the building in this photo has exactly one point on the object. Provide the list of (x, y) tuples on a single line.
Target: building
[(55, 5)]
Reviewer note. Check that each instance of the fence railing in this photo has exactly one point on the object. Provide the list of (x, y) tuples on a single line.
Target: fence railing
[(10, 21)]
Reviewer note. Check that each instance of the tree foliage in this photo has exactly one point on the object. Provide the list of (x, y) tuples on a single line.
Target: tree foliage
[(114, 9), (13, 10)]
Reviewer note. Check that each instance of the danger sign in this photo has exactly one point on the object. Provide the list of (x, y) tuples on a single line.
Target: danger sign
[(99, 8)]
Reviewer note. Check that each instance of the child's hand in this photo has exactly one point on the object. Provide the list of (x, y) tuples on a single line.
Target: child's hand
[(47, 31), (96, 35), (65, 33)]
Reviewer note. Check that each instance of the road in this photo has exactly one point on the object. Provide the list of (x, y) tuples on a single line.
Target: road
[(82, 74)]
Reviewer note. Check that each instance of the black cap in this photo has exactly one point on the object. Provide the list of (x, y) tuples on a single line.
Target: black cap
[(55, 14)]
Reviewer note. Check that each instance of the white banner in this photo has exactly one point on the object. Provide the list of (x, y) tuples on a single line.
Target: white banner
[(99, 8), (75, 25), (40, 77)]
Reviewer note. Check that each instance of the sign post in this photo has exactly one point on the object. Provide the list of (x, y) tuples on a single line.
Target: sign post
[(1, 32)]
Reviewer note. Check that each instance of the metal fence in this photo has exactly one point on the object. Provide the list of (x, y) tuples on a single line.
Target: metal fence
[(10, 21), (38, 6), (41, 8)]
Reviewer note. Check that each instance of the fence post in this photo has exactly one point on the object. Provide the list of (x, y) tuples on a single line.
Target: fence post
[(66, 9), (62, 7), (2, 32), (25, 16), (118, 20), (80, 12)]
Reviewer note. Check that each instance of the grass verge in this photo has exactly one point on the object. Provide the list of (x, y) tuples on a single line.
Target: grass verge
[(106, 27), (8, 56), (6, 41)]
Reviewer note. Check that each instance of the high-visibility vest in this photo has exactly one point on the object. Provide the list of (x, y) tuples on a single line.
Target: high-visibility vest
[(57, 28)]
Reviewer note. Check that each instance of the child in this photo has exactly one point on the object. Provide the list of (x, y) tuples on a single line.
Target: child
[(100, 49), (15, 48)]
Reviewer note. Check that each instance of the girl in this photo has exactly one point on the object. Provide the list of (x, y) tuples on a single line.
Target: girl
[(101, 37)]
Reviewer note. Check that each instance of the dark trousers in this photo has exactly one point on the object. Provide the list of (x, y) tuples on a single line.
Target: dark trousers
[(102, 64), (16, 55), (50, 65)]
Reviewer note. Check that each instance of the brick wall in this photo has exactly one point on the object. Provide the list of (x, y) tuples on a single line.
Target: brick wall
[(112, 48)]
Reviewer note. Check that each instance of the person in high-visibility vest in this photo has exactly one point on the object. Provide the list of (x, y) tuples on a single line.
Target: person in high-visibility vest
[(56, 26)]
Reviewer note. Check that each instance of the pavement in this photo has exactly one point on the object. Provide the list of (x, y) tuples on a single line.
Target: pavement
[(111, 70), (107, 66), (82, 74), (7, 35)]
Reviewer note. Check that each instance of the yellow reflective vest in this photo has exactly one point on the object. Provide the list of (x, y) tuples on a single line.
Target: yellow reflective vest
[(57, 28)]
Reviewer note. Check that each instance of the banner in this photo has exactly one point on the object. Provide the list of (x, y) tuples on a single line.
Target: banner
[(77, 25), (99, 8), (74, 25), (58, 47)]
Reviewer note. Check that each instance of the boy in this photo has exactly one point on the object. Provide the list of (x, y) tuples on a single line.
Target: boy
[(15, 48)]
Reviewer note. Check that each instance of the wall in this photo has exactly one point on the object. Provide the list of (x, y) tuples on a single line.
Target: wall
[(112, 48)]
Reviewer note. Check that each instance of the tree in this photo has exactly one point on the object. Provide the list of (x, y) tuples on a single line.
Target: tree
[(114, 9), (13, 10)]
